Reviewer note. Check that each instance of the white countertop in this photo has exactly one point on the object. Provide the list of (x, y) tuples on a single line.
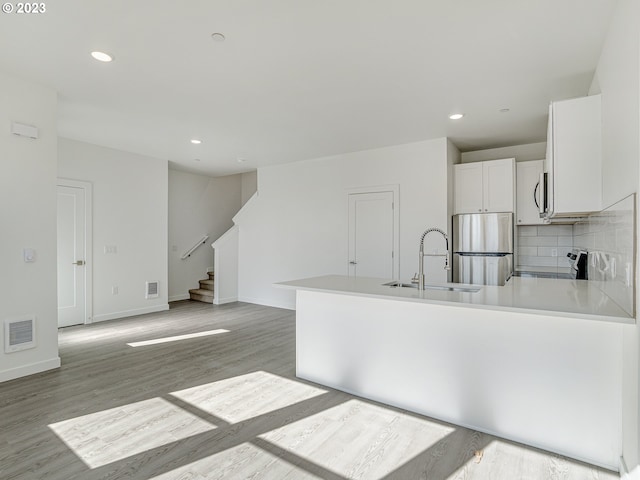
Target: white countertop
[(542, 296)]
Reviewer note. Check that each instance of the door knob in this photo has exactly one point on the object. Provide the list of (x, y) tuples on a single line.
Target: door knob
[(352, 262), (79, 263)]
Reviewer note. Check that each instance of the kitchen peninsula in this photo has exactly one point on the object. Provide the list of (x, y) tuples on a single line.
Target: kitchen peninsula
[(535, 361)]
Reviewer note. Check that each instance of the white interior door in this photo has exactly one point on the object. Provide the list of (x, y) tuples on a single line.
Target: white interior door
[(72, 293), (371, 235)]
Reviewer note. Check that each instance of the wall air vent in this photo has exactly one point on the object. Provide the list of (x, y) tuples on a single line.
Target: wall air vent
[(19, 333), (152, 289)]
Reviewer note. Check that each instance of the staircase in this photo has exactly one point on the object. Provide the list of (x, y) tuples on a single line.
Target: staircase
[(205, 292)]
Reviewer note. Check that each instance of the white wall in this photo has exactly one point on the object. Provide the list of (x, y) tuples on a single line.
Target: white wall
[(297, 226), (225, 248), (198, 205), (249, 185), (28, 219), (522, 153), (453, 158), (130, 213), (618, 79)]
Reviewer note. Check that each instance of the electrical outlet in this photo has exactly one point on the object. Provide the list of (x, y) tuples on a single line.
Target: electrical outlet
[(110, 249), (554, 252), (114, 290)]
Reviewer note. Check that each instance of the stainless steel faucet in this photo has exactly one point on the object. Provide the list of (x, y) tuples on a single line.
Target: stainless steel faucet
[(421, 255)]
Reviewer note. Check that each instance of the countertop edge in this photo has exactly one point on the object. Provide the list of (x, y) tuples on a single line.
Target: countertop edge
[(555, 313)]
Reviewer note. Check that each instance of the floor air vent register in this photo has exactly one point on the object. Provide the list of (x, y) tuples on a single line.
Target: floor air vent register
[(19, 333)]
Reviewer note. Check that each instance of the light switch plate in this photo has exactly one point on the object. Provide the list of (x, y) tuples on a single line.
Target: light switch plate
[(29, 255)]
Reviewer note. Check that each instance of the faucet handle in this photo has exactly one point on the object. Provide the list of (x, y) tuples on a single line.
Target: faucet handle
[(415, 278)]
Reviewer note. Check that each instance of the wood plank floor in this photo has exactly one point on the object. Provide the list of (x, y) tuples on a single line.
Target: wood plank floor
[(227, 405)]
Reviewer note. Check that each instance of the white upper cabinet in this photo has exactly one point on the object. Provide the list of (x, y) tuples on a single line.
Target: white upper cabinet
[(528, 192), (498, 180), (468, 189), (574, 157), (484, 187)]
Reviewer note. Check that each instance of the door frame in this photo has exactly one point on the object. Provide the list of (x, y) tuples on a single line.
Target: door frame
[(88, 241), (395, 190)]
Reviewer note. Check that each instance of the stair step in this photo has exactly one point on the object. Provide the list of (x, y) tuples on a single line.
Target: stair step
[(206, 284), (201, 291), (201, 295)]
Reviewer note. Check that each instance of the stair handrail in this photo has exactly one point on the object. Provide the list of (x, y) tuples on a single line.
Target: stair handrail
[(195, 246)]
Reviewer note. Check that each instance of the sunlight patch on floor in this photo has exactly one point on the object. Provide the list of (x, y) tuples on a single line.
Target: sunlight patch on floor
[(242, 461), (247, 396), (156, 341), (358, 440), (110, 435)]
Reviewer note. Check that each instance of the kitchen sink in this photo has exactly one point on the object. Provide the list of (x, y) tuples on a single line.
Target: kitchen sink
[(400, 284), (445, 288)]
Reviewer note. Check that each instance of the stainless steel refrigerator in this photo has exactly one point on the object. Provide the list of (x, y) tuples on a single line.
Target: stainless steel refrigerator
[(483, 248)]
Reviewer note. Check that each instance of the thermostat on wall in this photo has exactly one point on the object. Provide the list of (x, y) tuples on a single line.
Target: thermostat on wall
[(23, 130)]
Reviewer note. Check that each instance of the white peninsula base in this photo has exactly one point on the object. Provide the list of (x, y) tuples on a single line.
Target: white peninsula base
[(546, 381)]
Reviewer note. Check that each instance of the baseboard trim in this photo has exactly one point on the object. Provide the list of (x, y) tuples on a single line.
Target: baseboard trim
[(177, 298), (625, 474), (30, 369), (130, 313), (222, 301), (268, 303)]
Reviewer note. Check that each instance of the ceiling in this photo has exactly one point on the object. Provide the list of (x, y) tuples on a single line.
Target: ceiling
[(300, 79)]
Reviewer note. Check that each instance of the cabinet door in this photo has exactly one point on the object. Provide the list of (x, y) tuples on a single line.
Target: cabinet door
[(527, 179), (468, 188), (577, 156), (498, 185)]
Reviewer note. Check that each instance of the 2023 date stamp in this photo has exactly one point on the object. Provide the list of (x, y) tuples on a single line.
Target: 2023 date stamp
[(24, 8)]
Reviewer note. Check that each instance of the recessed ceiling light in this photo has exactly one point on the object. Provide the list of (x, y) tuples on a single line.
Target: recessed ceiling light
[(503, 110), (217, 37), (241, 159), (456, 116), (195, 141), (102, 57), (197, 159)]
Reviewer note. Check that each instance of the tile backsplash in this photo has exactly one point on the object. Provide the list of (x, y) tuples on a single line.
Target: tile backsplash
[(544, 248), (609, 237)]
